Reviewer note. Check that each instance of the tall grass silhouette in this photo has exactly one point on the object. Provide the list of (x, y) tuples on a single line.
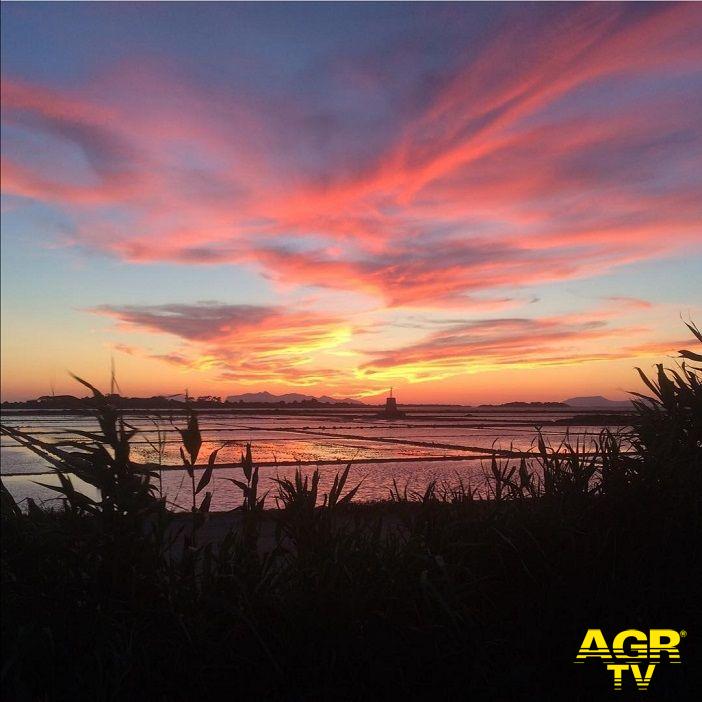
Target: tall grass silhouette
[(459, 589)]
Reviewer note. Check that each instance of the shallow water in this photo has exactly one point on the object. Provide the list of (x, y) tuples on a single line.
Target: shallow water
[(429, 445)]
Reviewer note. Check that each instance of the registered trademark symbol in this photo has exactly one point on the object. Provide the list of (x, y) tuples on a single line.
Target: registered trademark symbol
[(683, 634)]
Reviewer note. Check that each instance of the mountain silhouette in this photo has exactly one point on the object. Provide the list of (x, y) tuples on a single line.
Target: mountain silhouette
[(287, 397), (597, 401)]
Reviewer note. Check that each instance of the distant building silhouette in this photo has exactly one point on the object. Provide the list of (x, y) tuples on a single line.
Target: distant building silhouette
[(53, 399), (391, 411)]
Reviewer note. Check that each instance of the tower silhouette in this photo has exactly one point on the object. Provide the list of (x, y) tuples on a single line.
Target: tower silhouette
[(391, 411)]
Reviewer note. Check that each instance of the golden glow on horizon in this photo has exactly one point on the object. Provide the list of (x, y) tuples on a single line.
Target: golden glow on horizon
[(481, 236)]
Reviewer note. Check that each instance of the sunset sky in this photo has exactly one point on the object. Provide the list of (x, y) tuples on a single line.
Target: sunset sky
[(468, 202)]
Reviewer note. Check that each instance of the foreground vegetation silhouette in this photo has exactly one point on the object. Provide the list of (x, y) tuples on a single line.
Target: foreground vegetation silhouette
[(483, 591)]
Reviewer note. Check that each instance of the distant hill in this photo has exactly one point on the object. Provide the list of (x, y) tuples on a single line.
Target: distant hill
[(175, 402), (598, 401), (531, 405), (267, 397)]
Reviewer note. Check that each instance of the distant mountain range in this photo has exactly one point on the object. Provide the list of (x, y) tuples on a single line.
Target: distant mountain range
[(597, 401), (530, 405), (47, 402), (289, 397)]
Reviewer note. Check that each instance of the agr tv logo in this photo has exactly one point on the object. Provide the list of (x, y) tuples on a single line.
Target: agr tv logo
[(633, 653)]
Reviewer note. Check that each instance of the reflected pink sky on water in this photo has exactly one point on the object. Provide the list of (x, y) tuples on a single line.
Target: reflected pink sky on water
[(448, 448)]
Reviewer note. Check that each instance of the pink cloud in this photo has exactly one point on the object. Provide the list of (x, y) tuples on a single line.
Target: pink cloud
[(503, 176)]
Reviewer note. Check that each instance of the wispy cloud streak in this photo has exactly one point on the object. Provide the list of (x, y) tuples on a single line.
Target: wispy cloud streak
[(563, 148), (248, 343)]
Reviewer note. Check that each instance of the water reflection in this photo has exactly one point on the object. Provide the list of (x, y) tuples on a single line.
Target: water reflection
[(435, 441)]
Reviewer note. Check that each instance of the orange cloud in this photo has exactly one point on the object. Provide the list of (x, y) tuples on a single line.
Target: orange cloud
[(243, 342), (254, 345), (493, 344)]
